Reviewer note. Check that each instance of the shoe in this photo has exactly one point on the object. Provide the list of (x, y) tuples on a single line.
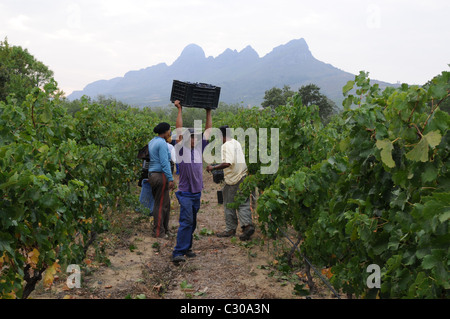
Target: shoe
[(228, 233), (190, 254), (178, 259), (247, 232)]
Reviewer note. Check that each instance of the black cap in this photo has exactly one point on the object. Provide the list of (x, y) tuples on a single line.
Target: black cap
[(161, 128)]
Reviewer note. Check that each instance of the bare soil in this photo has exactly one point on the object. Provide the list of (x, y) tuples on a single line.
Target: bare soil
[(126, 262)]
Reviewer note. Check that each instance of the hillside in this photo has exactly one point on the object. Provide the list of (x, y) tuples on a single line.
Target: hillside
[(243, 76)]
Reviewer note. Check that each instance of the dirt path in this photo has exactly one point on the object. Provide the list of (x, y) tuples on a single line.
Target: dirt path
[(129, 263)]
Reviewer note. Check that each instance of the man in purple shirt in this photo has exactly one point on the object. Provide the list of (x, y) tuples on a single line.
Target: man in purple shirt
[(189, 154)]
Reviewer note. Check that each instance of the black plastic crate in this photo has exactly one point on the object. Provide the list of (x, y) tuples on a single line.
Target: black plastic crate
[(200, 95)]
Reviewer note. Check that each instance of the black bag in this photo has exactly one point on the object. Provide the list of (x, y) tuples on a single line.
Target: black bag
[(220, 197), (144, 172), (143, 153), (218, 176)]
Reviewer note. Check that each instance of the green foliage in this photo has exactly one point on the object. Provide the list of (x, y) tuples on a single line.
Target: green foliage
[(370, 187), (276, 96), (20, 72), (438, 85), (309, 94), (58, 174)]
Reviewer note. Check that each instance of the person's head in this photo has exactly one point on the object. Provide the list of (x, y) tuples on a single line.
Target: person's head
[(191, 131), (223, 129), (195, 137), (163, 130)]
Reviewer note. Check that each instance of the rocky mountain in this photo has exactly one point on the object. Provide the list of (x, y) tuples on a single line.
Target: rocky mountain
[(243, 76)]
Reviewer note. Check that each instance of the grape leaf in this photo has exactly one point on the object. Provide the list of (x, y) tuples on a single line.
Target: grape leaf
[(386, 148), (430, 173), (50, 273), (433, 138), (43, 149), (444, 217), (46, 115), (419, 153), (5, 243), (348, 87), (33, 258)]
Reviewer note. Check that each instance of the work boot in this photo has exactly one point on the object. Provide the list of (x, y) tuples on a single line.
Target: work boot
[(247, 232), (227, 233), (190, 254), (177, 259)]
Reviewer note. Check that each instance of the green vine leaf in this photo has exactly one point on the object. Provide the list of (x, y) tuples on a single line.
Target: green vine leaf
[(433, 138), (348, 87), (386, 148), (420, 152)]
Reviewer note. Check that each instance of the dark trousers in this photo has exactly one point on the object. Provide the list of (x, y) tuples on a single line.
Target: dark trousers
[(189, 206), (161, 208)]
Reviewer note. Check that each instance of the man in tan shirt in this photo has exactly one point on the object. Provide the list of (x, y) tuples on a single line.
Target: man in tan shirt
[(235, 171)]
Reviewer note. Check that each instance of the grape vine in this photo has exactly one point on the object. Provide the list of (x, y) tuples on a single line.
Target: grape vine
[(370, 187), (58, 174)]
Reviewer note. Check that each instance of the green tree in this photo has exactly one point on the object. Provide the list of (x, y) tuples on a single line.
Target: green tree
[(276, 96), (20, 72), (310, 95)]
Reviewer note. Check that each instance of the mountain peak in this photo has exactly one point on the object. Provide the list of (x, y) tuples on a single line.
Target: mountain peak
[(193, 49), (228, 52), (298, 43), (248, 54), (191, 52), (296, 50), (249, 51)]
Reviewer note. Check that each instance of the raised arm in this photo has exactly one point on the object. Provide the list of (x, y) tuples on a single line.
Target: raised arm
[(179, 122), (208, 125)]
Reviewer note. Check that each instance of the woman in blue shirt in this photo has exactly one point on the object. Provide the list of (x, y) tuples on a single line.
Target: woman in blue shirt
[(160, 179)]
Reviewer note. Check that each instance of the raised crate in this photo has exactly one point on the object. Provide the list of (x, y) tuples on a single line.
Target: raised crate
[(200, 95)]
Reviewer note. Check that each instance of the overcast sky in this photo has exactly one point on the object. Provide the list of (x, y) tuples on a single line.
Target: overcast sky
[(84, 41)]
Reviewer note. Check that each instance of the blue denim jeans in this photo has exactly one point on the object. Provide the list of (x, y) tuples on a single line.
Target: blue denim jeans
[(189, 206)]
